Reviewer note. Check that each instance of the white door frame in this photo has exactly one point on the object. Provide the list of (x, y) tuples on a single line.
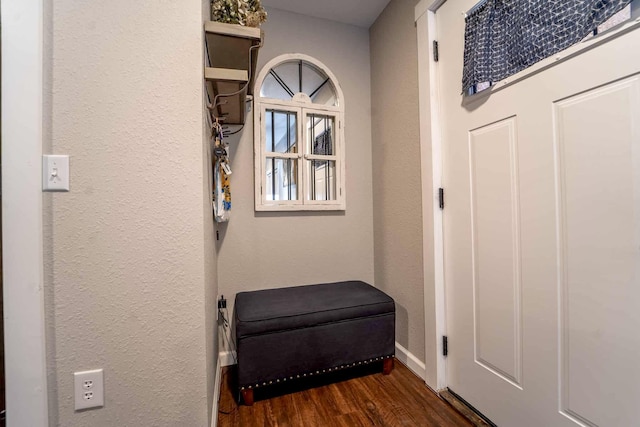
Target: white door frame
[(24, 328), (431, 159)]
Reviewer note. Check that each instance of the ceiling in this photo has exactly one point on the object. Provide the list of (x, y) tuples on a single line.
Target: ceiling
[(361, 13)]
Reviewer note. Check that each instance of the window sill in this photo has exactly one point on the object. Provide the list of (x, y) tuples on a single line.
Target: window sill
[(300, 208)]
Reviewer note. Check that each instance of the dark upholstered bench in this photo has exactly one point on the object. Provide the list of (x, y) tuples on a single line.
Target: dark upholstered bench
[(290, 333)]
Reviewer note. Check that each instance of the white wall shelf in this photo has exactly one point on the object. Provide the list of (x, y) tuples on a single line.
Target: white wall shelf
[(232, 56)]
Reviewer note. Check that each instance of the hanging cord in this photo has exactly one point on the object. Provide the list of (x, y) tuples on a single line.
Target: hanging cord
[(235, 404), (227, 133), (225, 326), (214, 105), (224, 314)]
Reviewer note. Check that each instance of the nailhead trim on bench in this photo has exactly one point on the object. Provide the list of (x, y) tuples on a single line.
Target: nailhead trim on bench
[(336, 368)]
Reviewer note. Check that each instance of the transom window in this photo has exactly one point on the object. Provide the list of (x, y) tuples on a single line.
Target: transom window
[(299, 137)]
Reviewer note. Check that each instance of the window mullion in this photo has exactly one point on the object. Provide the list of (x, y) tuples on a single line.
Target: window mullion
[(273, 160), (307, 169), (312, 166), (263, 157), (321, 157), (302, 167), (294, 156)]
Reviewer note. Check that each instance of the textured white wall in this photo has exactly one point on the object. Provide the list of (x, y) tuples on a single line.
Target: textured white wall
[(130, 264), (265, 250), (396, 161)]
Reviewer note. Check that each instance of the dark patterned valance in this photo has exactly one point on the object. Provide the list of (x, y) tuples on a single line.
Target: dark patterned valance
[(503, 37)]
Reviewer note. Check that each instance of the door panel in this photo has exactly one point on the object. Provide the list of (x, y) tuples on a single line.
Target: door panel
[(496, 248), (542, 236), (599, 246)]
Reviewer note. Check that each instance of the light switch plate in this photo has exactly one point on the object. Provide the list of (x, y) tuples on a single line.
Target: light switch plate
[(55, 172)]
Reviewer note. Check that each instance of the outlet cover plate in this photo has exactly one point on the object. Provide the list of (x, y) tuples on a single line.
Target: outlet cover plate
[(88, 389)]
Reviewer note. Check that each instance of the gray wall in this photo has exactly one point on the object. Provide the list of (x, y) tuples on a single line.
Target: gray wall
[(129, 253), (265, 250), (397, 189)]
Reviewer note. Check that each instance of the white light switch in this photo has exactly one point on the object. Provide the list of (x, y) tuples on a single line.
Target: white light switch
[(55, 173)]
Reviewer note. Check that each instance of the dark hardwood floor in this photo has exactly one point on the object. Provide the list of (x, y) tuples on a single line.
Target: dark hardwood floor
[(399, 399)]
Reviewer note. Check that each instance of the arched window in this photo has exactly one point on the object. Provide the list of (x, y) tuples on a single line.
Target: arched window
[(299, 136)]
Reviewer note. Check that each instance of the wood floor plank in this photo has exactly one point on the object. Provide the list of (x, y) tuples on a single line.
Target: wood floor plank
[(353, 419), (324, 403), (398, 399)]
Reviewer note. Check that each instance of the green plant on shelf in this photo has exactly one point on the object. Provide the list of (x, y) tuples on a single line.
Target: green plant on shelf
[(249, 13)]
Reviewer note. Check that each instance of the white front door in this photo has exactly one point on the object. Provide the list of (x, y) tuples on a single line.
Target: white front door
[(542, 235)]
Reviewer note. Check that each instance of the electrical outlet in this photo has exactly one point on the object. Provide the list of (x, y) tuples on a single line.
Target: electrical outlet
[(89, 389), (222, 303)]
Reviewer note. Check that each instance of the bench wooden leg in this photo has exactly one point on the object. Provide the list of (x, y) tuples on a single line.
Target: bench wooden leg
[(247, 397), (387, 366)]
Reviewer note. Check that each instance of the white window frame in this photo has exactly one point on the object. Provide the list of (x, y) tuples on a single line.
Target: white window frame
[(302, 106)]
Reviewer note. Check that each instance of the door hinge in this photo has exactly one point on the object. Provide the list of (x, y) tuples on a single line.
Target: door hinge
[(435, 51), (441, 197), (445, 346)]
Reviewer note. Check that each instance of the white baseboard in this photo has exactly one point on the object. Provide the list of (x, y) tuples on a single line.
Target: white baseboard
[(227, 358), (411, 361), (216, 394)]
